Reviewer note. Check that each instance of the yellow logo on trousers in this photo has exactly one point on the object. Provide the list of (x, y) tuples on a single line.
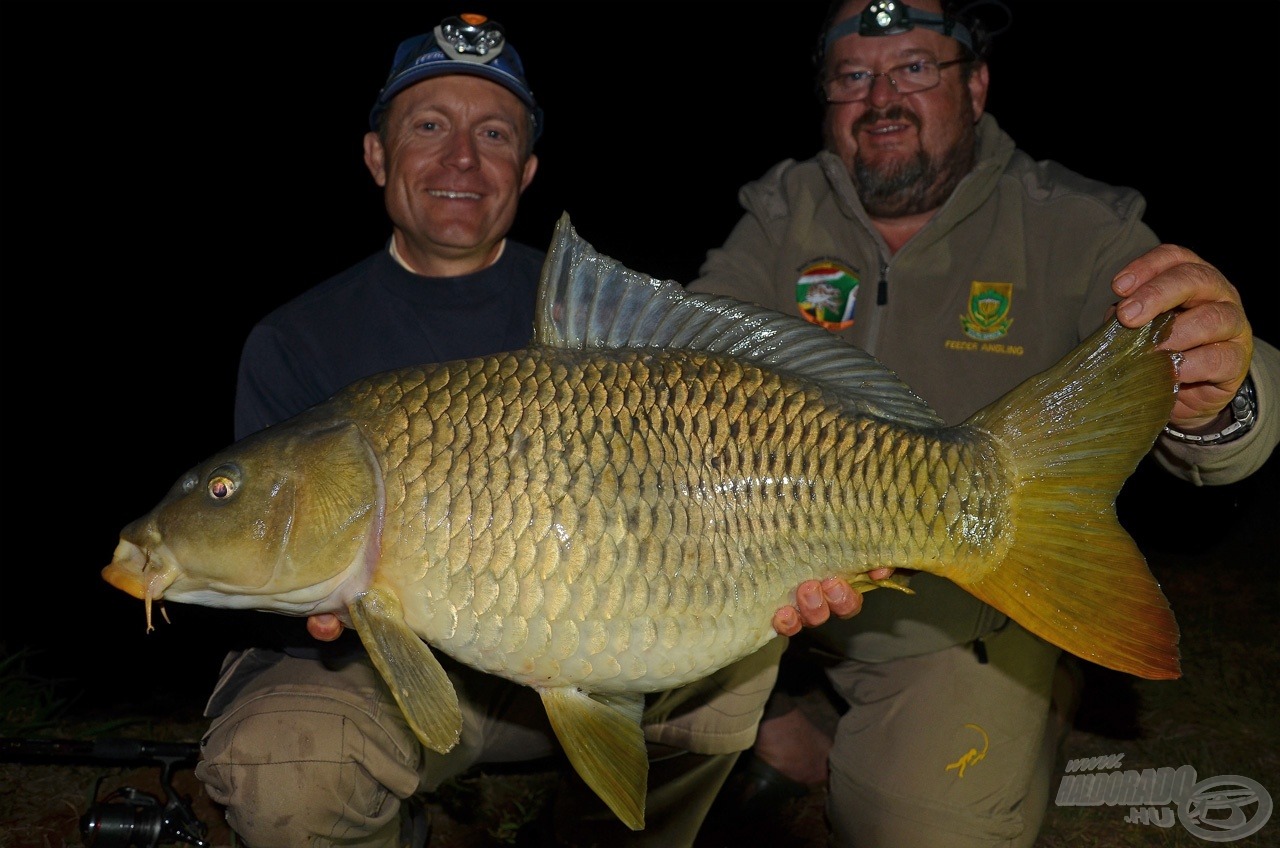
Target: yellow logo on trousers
[(972, 755)]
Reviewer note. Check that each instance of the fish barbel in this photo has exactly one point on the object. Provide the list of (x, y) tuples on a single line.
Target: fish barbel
[(620, 508)]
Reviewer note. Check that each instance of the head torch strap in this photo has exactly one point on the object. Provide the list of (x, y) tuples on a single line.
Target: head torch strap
[(893, 17)]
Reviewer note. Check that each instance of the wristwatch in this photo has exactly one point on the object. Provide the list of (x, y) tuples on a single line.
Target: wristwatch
[(1244, 411)]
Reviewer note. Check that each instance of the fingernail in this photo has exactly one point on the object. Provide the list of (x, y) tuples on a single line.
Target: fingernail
[(1129, 311), (811, 599), (1124, 283)]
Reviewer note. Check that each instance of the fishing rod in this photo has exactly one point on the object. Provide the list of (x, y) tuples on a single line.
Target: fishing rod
[(127, 816)]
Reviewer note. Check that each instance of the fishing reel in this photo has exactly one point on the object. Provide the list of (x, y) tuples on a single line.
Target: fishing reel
[(129, 817), (126, 817)]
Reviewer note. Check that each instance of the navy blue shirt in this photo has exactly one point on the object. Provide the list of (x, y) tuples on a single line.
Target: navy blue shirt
[(377, 316)]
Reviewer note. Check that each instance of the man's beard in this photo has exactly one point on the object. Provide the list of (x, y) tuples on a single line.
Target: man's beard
[(921, 183)]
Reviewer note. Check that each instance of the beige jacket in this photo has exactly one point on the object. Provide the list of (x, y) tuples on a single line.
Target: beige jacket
[(1011, 274)]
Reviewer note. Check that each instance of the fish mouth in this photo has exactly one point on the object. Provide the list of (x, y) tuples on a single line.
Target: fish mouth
[(136, 572)]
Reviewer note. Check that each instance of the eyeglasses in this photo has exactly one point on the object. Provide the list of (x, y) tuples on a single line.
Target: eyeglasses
[(920, 75)]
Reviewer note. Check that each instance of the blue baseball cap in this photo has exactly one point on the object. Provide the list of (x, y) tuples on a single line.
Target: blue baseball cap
[(464, 44)]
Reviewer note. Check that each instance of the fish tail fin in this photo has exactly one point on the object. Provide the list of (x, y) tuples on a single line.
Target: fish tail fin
[(1073, 575)]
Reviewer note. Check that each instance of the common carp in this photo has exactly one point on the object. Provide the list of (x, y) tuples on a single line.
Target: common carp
[(620, 507)]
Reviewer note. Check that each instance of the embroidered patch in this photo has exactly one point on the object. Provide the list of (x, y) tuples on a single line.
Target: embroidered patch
[(989, 305), (826, 293)]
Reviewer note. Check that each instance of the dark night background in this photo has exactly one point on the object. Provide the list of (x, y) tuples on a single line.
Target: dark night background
[(172, 171)]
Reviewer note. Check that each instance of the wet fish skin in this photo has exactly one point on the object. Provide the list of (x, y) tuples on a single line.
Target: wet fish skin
[(575, 540), (620, 508)]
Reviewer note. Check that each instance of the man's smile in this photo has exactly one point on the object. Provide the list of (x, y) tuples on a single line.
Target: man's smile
[(453, 195)]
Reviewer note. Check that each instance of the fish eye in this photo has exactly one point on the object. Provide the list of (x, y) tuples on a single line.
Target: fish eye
[(221, 488), (222, 484)]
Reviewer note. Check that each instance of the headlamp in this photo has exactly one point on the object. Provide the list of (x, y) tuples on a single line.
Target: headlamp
[(894, 17), (461, 44), (470, 38)]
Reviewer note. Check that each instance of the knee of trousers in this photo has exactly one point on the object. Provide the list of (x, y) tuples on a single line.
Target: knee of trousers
[(944, 749), (297, 767), (720, 713), (866, 815)]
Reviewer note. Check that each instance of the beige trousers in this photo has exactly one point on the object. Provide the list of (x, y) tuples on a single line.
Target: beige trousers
[(944, 751), (310, 751)]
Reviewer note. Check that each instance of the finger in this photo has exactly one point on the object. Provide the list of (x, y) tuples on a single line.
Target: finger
[(1206, 324), (1151, 264), (786, 621), (812, 604), (842, 600), (1222, 364), (1185, 285), (880, 573), (1216, 346), (326, 627), (1198, 407)]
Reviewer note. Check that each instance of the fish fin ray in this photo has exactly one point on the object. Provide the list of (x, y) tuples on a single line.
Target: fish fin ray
[(602, 736), (415, 677), (1074, 434), (1096, 599), (339, 488), (588, 301)]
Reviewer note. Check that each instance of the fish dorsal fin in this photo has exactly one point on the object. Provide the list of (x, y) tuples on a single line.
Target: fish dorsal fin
[(588, 301)]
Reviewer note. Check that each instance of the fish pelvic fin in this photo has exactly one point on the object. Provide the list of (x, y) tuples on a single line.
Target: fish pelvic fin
[(1073, 575), (413, 674), (602, 737)]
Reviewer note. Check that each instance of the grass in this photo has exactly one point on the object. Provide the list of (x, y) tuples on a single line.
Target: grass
[(29, 703)]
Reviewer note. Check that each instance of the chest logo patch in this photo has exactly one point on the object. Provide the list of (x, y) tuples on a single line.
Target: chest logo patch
[(826, 294), (989, 306)]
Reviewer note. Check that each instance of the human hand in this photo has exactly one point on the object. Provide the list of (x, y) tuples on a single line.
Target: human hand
[(1210, 329), (325, 626), (817, 601)]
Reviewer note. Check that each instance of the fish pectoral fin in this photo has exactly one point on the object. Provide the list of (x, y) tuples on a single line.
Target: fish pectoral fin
[(413, 674), (602, 737)]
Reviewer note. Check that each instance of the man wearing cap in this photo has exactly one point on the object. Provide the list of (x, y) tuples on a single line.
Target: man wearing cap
[(306, 746), (966, 267)]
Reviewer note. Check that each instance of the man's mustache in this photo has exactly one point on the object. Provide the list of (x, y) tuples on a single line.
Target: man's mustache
[(896, 112)]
